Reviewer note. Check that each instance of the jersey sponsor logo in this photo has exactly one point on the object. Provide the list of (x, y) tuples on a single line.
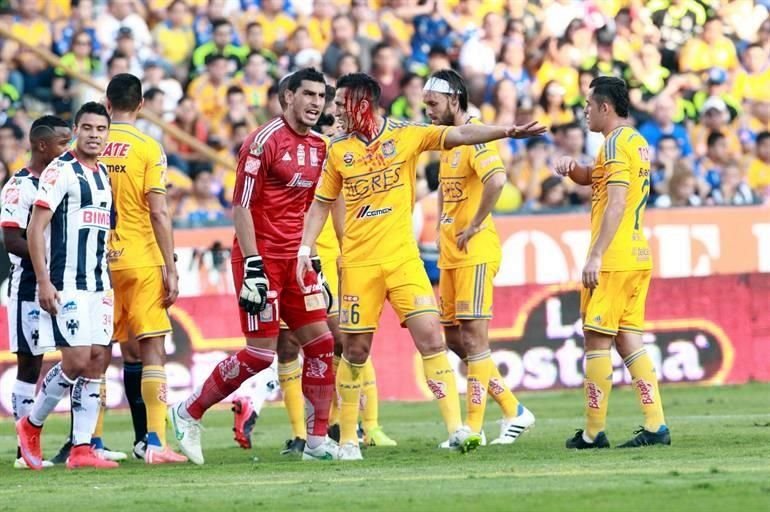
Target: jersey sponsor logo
[(256, 148), (114, 255), (463, 306), (301, 154), (452, 190), (298, 181), (116, 168), (286, 157), (51, 174), (33, 315), (70, 307), (438, 388), (314, 157), (366, 212), (12, 195), (108, 300), (350, 298), (424, 300), (315, 302), (116, 149), (363, 186), (488, 161), (98, 218), (348, 159), (252, 165), (496, 387), (388, 148), (476, 390), (646, 392), (594, 395), (446, 219)]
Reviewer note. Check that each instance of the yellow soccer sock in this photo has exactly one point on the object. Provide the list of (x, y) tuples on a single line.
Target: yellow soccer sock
[(598, 385), (334, 414), (369, 399), (500, 393), (642, 371), (154, 398), (290, 379), (441, 381), (99, 429), (479, 368), (349, 380)]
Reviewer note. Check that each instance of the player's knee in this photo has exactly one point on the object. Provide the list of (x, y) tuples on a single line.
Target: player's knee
[(356, 349), (431, 343), (153, 351), (98, 362), (454, 341), (287, 350), (474, 338)]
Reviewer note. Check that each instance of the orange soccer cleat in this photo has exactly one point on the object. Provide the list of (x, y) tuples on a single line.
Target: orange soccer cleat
[(244, 420), (29, 443), (83, 456), (162, 455)]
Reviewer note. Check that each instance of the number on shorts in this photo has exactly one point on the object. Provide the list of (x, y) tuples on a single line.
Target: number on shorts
[(354, 315)]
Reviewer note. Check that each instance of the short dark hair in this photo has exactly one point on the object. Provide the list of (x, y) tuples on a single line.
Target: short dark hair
[(612, 90), (92, 107), (665, 138), (295, 80), (214, 57), (456, 83), (215, 24), (252, 25), (379, 47), (124, 92), (362, 81), (17, 132), (234, 89), (713, 138), (151, 93), (330, 92), (45, 126), (762, 136), (115, 56)]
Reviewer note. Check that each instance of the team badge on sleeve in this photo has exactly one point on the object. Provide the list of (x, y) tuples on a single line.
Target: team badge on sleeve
[(252, 165), (11, 196), (256, 148), (50, 175)]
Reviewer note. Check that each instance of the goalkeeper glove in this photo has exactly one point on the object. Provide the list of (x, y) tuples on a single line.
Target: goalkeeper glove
[(328, 297), (253, 296)]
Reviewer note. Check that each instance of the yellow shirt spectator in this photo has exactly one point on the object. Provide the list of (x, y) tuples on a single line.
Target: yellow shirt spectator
[(276, 29), (209, 98), (758, 174)]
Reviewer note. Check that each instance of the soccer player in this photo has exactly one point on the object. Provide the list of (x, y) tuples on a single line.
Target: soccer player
[(141, 257), (472, 178), (278, 168), (67, 237), (373, 167), (617, 271), (49, 137)]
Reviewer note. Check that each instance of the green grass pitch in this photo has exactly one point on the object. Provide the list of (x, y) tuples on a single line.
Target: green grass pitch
[(720, 460)]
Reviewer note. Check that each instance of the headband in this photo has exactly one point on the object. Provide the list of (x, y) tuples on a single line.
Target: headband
[(438, 85)]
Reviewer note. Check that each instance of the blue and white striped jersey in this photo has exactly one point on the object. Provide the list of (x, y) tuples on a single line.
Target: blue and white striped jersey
[(17, 198), (81, 199)]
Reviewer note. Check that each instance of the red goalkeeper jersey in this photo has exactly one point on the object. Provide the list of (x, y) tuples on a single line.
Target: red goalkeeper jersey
[(277, 173)]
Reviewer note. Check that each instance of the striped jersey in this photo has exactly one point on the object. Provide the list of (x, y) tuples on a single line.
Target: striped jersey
[(81, 200), (17, 198)]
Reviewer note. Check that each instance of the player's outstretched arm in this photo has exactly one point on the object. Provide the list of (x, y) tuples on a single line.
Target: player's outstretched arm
[(161, 226), (568, 166), (314, 222), (470, 134), (47, 294), (613, 215)]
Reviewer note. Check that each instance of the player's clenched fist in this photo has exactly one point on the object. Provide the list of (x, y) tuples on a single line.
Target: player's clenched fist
[(564, 165), (253, 297)]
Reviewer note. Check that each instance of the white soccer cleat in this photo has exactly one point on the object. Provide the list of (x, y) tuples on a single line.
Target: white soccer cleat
[(106, 454), (447, 445), (187, 433), (140, 448), (20, 464), (328, 450), (464, 440), (350, 451), (512, 428)]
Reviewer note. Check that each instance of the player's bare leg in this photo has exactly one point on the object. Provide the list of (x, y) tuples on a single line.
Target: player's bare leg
[(645, 381), (597, 386), (290, 380)]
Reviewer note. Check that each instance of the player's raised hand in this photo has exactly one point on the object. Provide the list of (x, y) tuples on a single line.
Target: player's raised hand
[(321, 280), (171, 285), (531, 129), (253, 296), (564, 165), (48, 297), (464, 236)]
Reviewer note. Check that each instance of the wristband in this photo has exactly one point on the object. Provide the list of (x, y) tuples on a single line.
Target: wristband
[(304, 250)]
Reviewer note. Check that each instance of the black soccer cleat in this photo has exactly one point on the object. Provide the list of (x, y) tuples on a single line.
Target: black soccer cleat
[(334, 432), (646, 438), (294, 446), (578, 443), (64, 453)]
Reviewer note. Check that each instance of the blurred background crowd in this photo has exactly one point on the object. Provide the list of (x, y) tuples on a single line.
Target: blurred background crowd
[(698, 70)]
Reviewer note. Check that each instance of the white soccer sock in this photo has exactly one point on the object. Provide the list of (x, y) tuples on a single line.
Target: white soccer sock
[(86, 402), (56, 386), (22, 398), (265, 383), (315, 441)]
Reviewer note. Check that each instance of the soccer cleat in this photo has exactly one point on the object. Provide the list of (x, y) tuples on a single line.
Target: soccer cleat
[(447, 445), (464, 440), (328, 450), (646, 438), (83, 456), (294, 446), (20, 464), (350, 451), (64, 452), (579, 442), (140, 447), (378, 437), (511, 429), (29, 443), (360, 433), (188, 434), (155, 454), (334, 432), (243, 421)]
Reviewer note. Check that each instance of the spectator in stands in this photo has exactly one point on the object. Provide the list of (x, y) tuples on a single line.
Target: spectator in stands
[(646, 76), (209, 90), (347, 64), (479, 55), (714, 119), (733, 191), (277, 26), (221, 43), (667, 155), (255, 80), (66, 91), (682, 191), (126, 45), (386, 69), (552, 109), (365, 20), (529, 174), (553, 195), (431, 30), (237, 112), (82, 19), (320, 23), (345, 40), (717, 86), (711, 49), (121, 14), (298, 41), (557, 66), (511, 67), (753, 81), (153, 103), (709, 169), (215, 10), (175, 38), (758, 174), (12, 152), (188, 119), (30, 26), (155, 77), (201, 207), (661, 124), (255, 43), (438, 59), (10, 98), (409, 105), (677, 25)]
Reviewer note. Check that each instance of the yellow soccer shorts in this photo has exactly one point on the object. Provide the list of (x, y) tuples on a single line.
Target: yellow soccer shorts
[(363, 292), (139, 307), (617, 303), (465, 293)]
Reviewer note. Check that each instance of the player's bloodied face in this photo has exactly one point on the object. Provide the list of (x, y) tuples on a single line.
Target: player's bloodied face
[(439, 108), (307, 102), (91, 133)]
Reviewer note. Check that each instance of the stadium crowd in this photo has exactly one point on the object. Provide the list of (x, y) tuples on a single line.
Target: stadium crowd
[(699, 73)]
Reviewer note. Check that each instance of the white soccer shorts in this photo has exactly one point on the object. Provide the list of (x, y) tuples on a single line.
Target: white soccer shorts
[(23, 329), (83, 319)]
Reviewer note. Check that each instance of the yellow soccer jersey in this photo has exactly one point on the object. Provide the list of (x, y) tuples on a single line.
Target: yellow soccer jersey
[(137, 166), (463, 171), (377, 181), (623, 160)]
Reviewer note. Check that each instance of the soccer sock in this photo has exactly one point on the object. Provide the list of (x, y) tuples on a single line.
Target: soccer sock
[(132, 382), (154, 397), (22, 398), (598, 385), (642, 371), (500, 393), (263, 384), (349, 379), (99, 428), (86, 402), (441, 381), (318, 386), (334, 414), (479, 368), (290, 379), (369, 400), (228, 376), (55, 386)]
